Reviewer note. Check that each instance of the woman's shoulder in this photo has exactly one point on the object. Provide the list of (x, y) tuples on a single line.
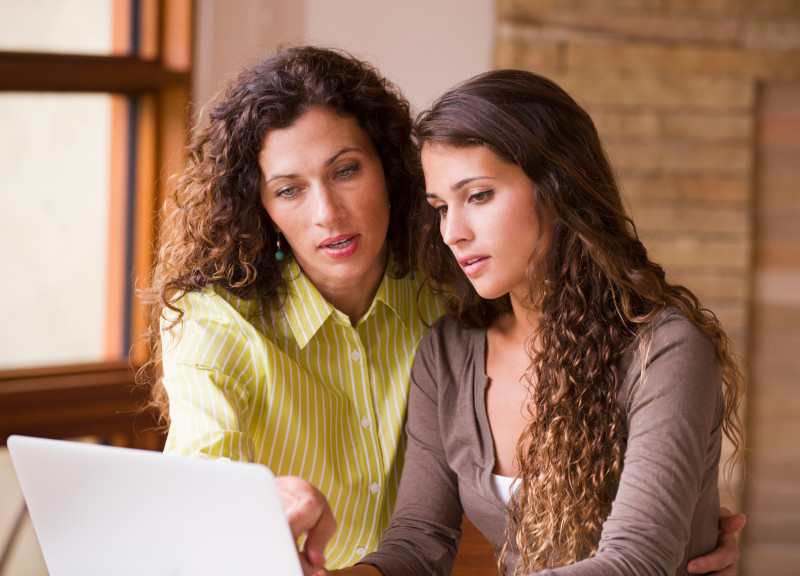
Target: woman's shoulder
[(674, 356), (216, 301), (452, 344), (447, 329), (449, 360), (671, 328)]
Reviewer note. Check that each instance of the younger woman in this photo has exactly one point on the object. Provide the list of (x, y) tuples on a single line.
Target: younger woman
[(574, 401)]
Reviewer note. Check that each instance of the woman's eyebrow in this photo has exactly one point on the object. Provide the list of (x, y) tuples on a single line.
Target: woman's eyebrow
[(460, 184), (464, 181), (328, 162), (345, 150)]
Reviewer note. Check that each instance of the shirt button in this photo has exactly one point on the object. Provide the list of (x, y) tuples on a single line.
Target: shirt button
[(375, 488), (360, 550), (365, 422), (355, 355)]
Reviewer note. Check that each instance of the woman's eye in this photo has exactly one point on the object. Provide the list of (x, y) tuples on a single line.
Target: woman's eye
[(441, 210), (346, 172), (481, 197), (287, 192)]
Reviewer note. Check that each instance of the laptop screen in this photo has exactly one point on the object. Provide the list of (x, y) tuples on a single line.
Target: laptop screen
[(101, 510)]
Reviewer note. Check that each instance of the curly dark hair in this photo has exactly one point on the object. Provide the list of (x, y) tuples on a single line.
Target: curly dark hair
[(214, 228), (595, 290)]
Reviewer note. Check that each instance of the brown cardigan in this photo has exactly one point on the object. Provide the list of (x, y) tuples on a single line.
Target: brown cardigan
[(667, 505)]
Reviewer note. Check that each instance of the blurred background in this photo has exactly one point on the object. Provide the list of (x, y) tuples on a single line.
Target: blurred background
[(697, 102)]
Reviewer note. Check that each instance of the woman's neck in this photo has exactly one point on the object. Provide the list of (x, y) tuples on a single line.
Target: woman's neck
[(523, 320), (353, 296), (507, 395), (353, 302)]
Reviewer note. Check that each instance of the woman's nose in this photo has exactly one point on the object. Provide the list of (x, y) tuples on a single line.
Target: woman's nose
[(328, 207), (453, 228)]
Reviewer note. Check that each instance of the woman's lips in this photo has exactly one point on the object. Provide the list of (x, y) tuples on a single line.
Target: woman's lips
[(473, 264), (342, 246)]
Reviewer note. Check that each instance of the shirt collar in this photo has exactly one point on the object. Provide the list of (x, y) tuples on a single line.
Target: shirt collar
[(307, 310)]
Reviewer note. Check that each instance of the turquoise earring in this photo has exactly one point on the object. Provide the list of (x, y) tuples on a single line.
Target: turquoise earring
[(279, 253)]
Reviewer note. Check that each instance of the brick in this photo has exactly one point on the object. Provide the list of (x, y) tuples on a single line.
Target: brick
[(778, 495), (732, 315), (776, 254), (780, 130), (768, 367), (520, 7), (779, 97), (778, 191), (782, 382), (739, 340), (769, 558), (674, 125), (680, 158), (778, 162), (576, 24), (762, 64), (670, 216), (776, 405), (777, 287), (775, 34), (774, 360), (776, 340), (658, 90), (777, 322), (763, 7), (711, 7), (734, 190), (691, 252), (774, 455), (778, 223), (713, 285), (527, 53)]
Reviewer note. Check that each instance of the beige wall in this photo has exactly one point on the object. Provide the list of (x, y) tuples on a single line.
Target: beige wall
[(415, 43)]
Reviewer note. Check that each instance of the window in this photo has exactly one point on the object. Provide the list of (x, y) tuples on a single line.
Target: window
[(93, 104)]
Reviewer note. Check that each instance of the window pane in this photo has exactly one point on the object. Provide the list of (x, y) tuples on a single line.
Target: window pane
[(55, 206), (63, 26)]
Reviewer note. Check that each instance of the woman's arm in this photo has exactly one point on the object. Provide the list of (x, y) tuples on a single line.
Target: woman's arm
[(667, 500), (724, 560), (207, 361)]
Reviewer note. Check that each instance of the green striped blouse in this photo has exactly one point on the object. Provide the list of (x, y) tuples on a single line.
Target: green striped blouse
[(302, 392)]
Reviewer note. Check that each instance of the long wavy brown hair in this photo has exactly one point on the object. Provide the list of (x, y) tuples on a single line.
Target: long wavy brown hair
[(214, 228), (595, 290)]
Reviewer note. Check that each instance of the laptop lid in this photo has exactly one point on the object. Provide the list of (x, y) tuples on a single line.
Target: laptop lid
[(101, 510)]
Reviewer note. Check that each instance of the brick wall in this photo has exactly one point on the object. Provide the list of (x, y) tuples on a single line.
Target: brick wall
[(698, 104)]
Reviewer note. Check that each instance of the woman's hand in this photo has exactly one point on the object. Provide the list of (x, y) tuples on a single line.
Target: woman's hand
[(724, 560), (309, 514)]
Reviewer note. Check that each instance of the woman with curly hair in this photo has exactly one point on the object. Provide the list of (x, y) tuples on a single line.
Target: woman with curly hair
[(286, 311), (573, 402)]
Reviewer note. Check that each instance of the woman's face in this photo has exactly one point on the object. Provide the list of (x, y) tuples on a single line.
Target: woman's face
[(487, 215), (324, 189)]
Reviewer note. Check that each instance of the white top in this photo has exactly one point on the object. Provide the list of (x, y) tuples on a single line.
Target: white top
[(503, 486)]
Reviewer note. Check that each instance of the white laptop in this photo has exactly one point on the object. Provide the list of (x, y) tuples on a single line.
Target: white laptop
[(106, 511)]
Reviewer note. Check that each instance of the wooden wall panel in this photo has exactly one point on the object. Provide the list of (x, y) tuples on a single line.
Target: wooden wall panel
[(772, 496)]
